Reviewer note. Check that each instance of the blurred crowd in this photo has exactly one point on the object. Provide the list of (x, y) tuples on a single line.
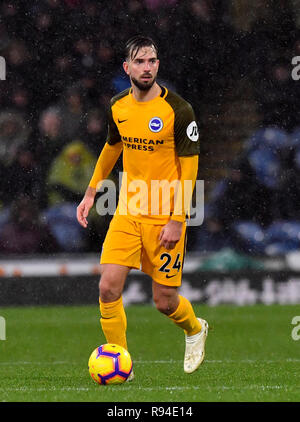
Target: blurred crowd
[(64, 62), (256, 208)]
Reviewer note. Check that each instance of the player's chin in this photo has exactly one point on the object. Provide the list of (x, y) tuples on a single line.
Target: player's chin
[(146, 84)]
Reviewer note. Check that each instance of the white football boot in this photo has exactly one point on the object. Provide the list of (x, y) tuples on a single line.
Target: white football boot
[(194, 348), (131, 377)]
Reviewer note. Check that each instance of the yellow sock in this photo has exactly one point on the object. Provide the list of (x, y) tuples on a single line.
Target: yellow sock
[(114, 322), (185, 318)]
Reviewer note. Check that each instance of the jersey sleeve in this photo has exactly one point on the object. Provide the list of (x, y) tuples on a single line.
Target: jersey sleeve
[(105, 163), (113, 135), (186, 133)]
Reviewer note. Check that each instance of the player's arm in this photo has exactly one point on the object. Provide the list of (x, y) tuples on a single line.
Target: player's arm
[(106, 162), (171, 232), (189, 171), (104, 166), (187, 147)]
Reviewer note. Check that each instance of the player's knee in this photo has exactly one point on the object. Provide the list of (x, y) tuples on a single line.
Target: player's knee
[(164, 304), (108, 290), (108, 294), (165, 298)]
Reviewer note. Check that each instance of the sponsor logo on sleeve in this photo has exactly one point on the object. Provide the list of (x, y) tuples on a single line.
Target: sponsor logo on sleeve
[(192, 131)]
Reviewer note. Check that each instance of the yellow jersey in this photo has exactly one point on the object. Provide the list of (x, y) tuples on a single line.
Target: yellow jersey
[(154, 134)]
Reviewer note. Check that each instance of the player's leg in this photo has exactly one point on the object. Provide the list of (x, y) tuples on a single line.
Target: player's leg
[(113, 318), (121, 252), (176, 307), (179, 310), (165, 268)]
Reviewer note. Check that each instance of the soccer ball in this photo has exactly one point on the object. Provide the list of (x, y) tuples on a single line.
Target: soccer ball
[(110, 364)]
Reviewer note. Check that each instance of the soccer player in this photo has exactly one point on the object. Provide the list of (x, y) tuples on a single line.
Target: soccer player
[(157, 133)]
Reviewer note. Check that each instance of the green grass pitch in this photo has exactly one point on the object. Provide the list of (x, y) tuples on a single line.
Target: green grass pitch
[(250, 356)]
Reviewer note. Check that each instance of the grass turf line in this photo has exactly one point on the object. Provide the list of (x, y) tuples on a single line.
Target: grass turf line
[(250, 356)]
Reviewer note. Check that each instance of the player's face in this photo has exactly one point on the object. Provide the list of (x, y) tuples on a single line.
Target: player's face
[(143, 68)]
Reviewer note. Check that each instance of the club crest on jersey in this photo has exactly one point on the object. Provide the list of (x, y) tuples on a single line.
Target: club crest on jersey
[(192, 131), (156, 124)]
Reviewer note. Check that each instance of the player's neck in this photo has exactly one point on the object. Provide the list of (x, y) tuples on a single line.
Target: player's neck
[(143, 96)]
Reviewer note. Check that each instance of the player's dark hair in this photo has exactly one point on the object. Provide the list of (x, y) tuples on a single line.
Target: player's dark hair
[(134, 44)]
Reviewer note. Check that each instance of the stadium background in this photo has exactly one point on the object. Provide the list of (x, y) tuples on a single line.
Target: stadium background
[(231, 61)]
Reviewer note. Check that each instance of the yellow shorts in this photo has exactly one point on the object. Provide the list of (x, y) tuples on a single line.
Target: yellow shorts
[(136, 245)]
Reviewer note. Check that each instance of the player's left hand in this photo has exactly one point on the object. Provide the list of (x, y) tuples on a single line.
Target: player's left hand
[(170, 234)]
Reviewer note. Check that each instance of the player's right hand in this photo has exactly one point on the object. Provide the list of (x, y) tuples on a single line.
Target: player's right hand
[(83, 211)]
